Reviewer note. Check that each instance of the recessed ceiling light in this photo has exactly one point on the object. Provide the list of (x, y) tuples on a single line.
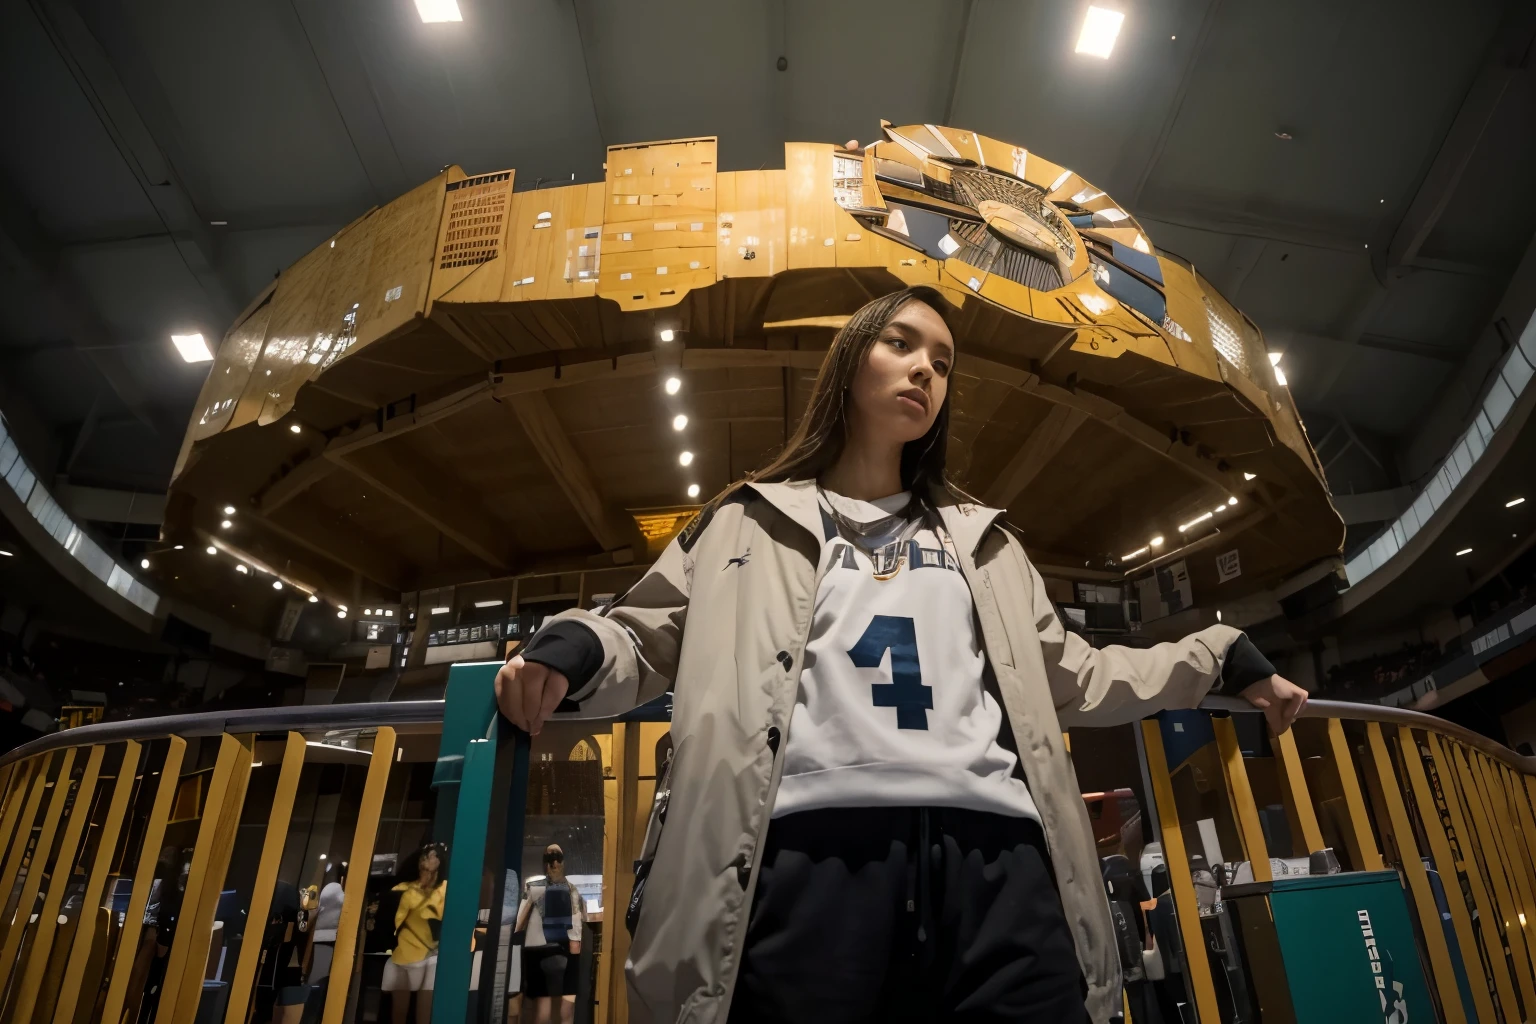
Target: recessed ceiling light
[(242, 570), (1157, 542), (367, 611), (192, 347), (1232, 501), (1250, 476), (176, 548), (341, 615), (212, 550), (440, 610), (1512, 504), (389, 613), (1198, 519), (686, 458), (674, 385), (229, 510), (313, 599), (490, 604), (143, 563), (693, 490), (679, 421), (1135, 554), (226, 524), (1463, 551), (1274, 358), (1284, 136), (667, 334), (438, 10), (277, 584), (1101, 27), (342, 607), (6, 554), (295, 428)]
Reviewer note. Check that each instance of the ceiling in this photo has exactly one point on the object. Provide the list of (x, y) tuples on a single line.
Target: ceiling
[(164, 160)]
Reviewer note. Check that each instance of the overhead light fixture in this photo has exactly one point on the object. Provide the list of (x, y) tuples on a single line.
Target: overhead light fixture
[(1274, 361), (441, 610), (1135, 554), (674, 385), (192, 347), (1195, 521), (490, 604), (679, 421), (667, 334), (1157, 541), (313, 599), (341, 615), (1274, 358), (1284, 136), (1101, 27), (367, 611), (277, 584), (226, 524), (1232, 501), (438, 10), (1218, 614), (1463, 551), (693, 490), (242, 570), (1250, 476), (176, 548), (684, 459), (212, 550), (295, 428), (143, 563), (1512, 504), (6, 554), (389, 613), (229, 510), (342, 607)]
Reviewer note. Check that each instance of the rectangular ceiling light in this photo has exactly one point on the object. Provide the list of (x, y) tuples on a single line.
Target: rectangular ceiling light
[(441, 610), (438, 10), (192, 347), (1101, 28), (489, 604)]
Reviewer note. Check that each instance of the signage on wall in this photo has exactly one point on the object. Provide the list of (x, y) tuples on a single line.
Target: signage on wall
[(1164, 592), (1228, 566)]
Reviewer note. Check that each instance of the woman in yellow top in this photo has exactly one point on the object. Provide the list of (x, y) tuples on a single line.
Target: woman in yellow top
[(412, 966)]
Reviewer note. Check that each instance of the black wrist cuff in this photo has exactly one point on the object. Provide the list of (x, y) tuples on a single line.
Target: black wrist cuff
[(570, 648), (1243, 666)]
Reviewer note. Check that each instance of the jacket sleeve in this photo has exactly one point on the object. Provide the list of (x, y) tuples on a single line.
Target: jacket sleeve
[(1113, 685), (626, 654)]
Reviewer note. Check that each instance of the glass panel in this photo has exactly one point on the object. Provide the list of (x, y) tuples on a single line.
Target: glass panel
[(1517, 372), (1498, 402)]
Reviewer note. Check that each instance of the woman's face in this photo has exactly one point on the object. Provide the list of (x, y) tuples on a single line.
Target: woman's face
[(897, 393), (430, 862)]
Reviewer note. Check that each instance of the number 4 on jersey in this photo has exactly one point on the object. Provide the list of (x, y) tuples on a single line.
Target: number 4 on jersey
[(905, 692)]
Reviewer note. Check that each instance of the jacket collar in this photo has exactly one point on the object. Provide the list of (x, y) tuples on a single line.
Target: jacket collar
[(967, 522)]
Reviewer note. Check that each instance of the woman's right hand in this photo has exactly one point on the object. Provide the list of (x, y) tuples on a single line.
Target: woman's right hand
[(528, 693)]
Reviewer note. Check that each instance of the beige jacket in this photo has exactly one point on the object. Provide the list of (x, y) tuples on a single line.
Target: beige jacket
[(726, 612)]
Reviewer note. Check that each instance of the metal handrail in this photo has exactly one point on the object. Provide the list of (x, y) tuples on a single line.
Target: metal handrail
[(422, 712)]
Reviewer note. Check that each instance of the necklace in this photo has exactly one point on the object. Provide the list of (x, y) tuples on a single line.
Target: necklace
[(884, 541)]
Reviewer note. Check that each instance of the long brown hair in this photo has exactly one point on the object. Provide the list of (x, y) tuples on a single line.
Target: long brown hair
[(823, 431)]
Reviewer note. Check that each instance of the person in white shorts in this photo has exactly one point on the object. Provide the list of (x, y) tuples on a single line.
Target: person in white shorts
[(412, 966)]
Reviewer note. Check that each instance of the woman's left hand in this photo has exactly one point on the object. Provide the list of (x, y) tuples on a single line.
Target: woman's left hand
[(1280, 699)]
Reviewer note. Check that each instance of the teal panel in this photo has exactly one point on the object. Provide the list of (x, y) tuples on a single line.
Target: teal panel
[(461, 906)]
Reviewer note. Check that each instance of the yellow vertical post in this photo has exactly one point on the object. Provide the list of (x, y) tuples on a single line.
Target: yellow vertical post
[(1293, 783), (357, 876), (1240, 791), (1354, 800), (61, 788), (1487, 913), (266, 877), (9, 778), (1418, 879), (1503, 907), (95, 886), (186, 965), (23, 834), (1445, 863), (23, 782), (149, 853), (48, 918), (1499, 818), (1186, 907)]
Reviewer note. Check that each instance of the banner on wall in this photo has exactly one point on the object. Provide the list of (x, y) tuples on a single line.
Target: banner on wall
[(1164, 592)]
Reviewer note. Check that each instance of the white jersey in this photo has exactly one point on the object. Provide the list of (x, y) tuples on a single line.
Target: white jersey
[(891, 709)]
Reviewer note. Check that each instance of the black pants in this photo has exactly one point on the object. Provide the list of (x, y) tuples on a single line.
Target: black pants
[(896, 914)]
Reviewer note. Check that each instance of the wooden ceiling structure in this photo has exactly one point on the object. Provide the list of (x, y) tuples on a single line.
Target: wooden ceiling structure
[(471, 382)]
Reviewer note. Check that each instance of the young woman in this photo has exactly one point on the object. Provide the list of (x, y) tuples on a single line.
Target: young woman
[(870, 813), (412, 966), (551, 918)]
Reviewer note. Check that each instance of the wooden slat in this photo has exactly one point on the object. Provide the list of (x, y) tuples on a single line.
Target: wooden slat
[(1369, 856), (363, 838), (1487, 913), (1500, 780), (1518, 867), (95, 887), (24, 905), (1186, 907), (1050, 437), (149, 853), (266, 877), (183, 986), (1445, 864), (549, 439), (23, 784), (48, 918), (1293, 783), (1418, 879), (1240, 792), (1503, 902)]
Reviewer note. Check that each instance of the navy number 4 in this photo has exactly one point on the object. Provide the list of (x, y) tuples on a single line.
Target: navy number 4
[(905, 692)]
